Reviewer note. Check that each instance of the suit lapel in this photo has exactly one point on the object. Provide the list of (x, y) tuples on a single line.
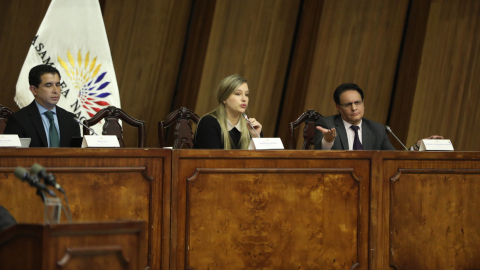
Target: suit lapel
[(366, 136), (37, 122), (342, 133)]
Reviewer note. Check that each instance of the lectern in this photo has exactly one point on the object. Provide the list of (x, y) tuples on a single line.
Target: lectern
[(87, 246)]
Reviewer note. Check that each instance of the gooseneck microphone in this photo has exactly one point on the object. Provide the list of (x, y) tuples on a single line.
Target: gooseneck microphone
[(48, 178), (390, 130), (246, 118), (89, 128), (22, 174)]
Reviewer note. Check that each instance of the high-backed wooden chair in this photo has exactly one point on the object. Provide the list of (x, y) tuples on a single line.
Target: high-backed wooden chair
[(308, 118), (4, 114), (183, 133), (111, 115)]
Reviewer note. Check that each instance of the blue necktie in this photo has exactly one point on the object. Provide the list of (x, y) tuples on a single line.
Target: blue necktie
[(52, 131), (357, 145)]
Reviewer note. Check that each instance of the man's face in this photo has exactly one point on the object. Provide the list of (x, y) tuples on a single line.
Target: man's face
[(48, 92), (351, 107)]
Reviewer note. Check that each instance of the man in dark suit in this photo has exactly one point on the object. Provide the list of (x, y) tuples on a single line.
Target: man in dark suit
[(354, 131), (43, 121)]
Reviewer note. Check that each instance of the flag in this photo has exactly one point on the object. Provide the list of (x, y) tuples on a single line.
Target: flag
[(73, 39)]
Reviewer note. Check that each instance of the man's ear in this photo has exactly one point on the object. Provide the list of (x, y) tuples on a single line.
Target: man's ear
[(33, 89)]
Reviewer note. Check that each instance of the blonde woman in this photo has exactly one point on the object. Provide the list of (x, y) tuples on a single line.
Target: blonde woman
[(225, 127)]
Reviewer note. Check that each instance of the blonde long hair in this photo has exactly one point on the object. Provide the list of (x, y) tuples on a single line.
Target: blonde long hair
[(227, 86)]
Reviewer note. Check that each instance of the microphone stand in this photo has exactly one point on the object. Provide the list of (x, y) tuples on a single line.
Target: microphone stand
[(89, 128), (246, 118), (41, 195), (390, 130)]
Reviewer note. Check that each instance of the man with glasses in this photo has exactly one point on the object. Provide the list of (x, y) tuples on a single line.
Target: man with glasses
[(354, 131)]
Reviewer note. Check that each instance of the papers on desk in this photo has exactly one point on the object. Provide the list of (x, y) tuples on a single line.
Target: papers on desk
[(104, 141), (436, 145), (9, 140), (267, 143)]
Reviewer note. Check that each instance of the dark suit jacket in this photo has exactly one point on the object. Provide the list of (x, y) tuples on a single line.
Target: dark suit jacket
[(6, 219), (374, 135), (27, 123)]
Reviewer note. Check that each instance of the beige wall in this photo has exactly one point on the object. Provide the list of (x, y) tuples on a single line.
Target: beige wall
[(416, 60)]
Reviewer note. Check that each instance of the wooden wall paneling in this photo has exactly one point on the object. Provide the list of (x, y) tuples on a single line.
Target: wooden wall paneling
[(146, 39), (432, 210), (196, 45), (447, 90), (101, 184), (294, 96), (358, 41), (408, 68), (19, 24), (193, 59), (253, 39), (270, 209)]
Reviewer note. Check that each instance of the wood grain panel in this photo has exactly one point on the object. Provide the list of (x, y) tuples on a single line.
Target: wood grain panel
[(358, 41), (432, 209), (101, 184), (251, 38), (19, 24), (101, 245), (196, 45), (299, 73), (278, 204), (268, 214), (448, 92), (408, 68), (146, 39)]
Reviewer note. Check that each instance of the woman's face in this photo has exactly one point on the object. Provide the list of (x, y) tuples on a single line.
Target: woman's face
[(237, 102)]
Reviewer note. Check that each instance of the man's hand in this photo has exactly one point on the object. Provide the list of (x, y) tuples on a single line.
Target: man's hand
[(328, 134)]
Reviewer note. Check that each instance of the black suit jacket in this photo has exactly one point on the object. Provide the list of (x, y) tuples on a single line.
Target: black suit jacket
[(374, 135), (27, 123)]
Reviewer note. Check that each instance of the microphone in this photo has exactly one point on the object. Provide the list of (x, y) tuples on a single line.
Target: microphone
[(89, 128), (48, 178), (246, 118), (390, 130), (23, 175)]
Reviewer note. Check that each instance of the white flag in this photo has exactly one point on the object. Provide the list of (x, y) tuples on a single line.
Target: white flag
[(73, 39)]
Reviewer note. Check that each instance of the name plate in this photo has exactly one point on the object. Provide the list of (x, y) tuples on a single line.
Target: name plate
[(10, 140), (267, 143), (436, 145), (104, 141)]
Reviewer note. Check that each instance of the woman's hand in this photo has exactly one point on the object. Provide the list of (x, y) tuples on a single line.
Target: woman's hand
[(256, 125)]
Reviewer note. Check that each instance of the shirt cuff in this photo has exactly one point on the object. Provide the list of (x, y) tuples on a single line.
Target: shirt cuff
[(326, 145)]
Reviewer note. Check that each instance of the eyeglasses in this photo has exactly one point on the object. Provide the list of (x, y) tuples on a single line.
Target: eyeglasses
[(349, 105)]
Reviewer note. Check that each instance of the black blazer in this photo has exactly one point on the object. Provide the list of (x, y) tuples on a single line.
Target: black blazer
[(27, 123), (374, 135)]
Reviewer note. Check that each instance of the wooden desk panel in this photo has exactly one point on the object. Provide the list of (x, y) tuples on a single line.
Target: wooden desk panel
[(270, 210), (433, 210), (101, 184)]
